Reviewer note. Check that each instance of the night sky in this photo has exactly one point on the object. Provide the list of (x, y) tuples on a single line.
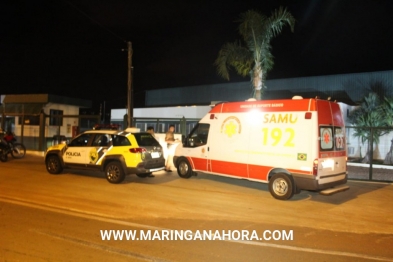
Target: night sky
[(74, 47)]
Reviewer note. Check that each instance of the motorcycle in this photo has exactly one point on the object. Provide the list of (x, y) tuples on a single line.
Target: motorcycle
[(8, 146)]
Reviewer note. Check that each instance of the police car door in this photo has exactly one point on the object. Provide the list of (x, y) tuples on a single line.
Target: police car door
[(98, 148), (76, 149)]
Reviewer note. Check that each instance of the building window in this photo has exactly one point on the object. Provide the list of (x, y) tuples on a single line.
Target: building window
[(55, 117), (29, 120)]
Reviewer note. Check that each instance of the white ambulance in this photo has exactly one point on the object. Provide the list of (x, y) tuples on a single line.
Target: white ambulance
[(293, 145)]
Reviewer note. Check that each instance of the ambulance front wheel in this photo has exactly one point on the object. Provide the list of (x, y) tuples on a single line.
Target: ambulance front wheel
[(184, 169), (281, 186)]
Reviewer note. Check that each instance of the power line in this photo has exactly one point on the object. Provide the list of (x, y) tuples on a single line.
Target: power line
[(95, 21)]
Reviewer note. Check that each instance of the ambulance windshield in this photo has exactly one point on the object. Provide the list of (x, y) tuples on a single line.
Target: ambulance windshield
[(198, 136)]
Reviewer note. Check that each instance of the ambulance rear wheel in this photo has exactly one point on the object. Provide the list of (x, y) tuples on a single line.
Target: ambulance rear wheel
[(184, 169), (281, 186)]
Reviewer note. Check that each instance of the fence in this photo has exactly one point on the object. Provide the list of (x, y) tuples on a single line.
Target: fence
[(183, 125), (370, 149), (37, 136), (370, 153), (38, 132)]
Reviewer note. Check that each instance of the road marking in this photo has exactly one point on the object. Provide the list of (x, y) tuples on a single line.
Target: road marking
[(76, 213), (101, 247), (313, 250), (137, 225)]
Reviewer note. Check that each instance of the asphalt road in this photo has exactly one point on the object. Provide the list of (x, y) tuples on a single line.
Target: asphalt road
[(47, 217)]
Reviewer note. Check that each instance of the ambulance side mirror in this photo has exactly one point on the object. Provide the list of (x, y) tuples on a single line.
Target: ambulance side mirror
[(190, 142)]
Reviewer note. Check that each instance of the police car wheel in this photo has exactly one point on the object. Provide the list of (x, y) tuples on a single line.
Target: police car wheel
[(184, 169), (114, 172), (144, 175), (53, 165), (281, 186)]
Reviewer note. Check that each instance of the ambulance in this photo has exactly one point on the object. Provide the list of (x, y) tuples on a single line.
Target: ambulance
[(293, 145)]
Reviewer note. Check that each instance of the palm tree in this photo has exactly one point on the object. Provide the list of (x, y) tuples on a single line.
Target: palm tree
[(373, 113), (388, 110), (253, 56)]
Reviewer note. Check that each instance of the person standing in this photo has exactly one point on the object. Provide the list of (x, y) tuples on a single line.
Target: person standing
[(171, 145), (150, 130)]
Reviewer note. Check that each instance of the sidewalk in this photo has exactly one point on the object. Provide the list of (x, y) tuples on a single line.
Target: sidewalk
[(36, 153)]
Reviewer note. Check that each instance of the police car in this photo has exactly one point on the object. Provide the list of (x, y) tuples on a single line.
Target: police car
[(117, 153)]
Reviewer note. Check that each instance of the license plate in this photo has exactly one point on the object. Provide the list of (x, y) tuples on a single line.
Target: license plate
[(328, 163), (155, 155)]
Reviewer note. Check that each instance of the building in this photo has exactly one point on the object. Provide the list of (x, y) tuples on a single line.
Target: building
[(347, 89), (183, 118), (37, 118)]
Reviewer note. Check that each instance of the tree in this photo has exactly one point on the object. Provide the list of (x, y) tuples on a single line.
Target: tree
[(253, 56), (373, 112), (388, 110)]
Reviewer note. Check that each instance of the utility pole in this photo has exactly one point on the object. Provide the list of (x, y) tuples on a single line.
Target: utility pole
[(104, 114), (129, 86)]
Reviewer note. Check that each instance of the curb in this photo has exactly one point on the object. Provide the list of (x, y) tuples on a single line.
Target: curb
[(35, 153), (368, 165)]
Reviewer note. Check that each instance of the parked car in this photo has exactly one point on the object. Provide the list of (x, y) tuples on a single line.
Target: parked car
[(117, 153)]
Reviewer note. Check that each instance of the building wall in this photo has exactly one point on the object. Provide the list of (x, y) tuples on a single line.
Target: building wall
[(184, 118), (31, 132), (162, 112), (353, 84), (171, 115), (66, 128)]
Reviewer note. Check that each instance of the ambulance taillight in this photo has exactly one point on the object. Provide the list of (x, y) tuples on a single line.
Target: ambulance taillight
[(315, 167), (346, 163)]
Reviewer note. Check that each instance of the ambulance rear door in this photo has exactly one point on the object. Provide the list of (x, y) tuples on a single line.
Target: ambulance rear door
[(332, 145)]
